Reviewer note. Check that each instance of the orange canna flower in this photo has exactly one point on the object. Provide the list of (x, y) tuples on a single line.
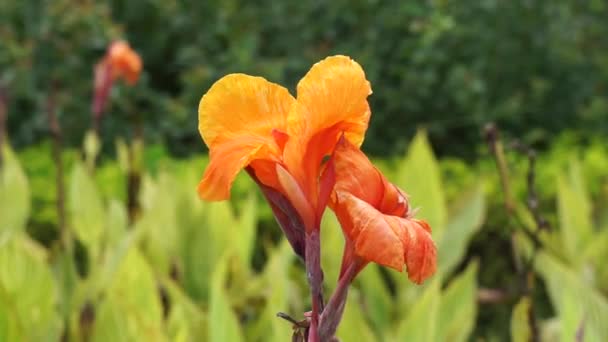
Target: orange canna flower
[(282, 142), (120, 61), (125, 63), (376, 219), (248, 122)]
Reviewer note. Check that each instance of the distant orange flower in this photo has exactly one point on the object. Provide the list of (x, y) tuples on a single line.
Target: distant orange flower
[(376, 219), (249, 122), (125, 63), (120, 61)]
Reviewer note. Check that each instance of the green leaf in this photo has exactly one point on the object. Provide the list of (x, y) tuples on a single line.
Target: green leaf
[(131, 309), (520, 321), (574, 214), (420, 178), (185, 322), (86, 210), (354, 327), (92, 146), (377, 299), (122, 154), (422, 320), (577, 303), (277, 283), (14, 195), (160, 240), (112, 261), (116, 223), (244, 238), (67, 279), (10, 325), (459, 300), (195, 242), (332, 247), (223, 323), (452, 245), (597, 254), (28, 291)]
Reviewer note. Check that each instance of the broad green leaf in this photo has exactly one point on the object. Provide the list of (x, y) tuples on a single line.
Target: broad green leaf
[(377, 299), (422, 319), (520, 321), (92, 146), (420, 178), (160, 237), (28, 291), (131, 309), (206, 235), (549, 330), (86, 210), (195, 242), (244, 238), (574, 214), (277, 284), (10, 325), (462, 226), (14, 195), (116, 223), (222, 225), (185, 321), (459, 299), (223, 322), (577, 303), (67, 279), (332, 247), (122, 154), (597, 254), (354, 327), (112, 261)]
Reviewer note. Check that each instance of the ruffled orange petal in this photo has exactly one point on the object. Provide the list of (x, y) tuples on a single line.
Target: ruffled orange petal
[(125, 62), (388, 240), (373, 237), (374, 215), (419, 250), (359, 177), (333, 92), (241, 105), (241, 119), (332, 100), (225, 162)]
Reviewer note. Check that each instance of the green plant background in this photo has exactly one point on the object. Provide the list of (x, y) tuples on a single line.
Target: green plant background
[(194, 271), (534, 67)]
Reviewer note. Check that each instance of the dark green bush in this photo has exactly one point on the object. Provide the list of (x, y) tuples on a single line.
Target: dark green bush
[(534, 67)]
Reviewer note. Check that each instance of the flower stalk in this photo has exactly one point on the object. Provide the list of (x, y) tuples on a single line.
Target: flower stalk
[(332, 314), (314, 274), (57, 142)]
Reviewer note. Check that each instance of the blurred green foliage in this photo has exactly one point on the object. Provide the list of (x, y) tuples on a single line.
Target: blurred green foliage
[(187, 270), (537, 67)]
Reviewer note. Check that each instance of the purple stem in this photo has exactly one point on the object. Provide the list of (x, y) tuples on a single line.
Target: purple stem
[(314, 273), (332, 314)]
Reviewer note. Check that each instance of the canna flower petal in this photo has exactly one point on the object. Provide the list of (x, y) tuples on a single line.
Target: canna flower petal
[(374, 238), (375, 217), (125, 62), (332, 100), (225, 162), (334, 92), (241, 119)]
